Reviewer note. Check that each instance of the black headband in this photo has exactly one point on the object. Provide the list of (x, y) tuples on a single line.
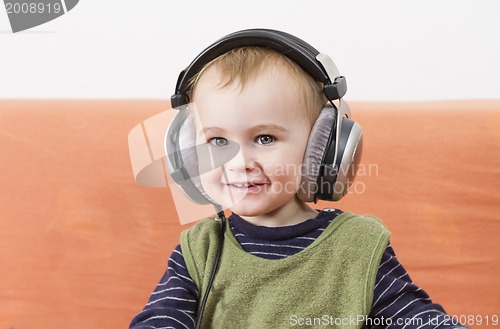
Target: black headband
[(294, 48)]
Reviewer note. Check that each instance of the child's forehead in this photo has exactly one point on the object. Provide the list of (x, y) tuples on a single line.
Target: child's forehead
[(248, 116), (213, 78), (267, 89), (270, 96)]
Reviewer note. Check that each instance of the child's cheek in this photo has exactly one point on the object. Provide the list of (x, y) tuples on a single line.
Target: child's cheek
[(283, 173), (212, 185)]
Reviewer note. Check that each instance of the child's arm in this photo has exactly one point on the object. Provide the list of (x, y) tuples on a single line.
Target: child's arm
[(173, 303), (397, 298)]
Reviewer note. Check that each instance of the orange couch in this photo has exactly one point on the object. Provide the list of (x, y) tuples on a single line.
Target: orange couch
[(82, 245)]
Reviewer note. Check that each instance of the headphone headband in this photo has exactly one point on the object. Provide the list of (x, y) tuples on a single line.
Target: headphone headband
[(294, 48)]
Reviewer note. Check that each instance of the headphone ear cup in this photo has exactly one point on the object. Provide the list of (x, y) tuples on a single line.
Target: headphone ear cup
[(350, 147), (182, 160), (315, 153)]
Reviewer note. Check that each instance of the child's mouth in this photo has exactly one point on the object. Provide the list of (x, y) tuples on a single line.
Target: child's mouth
[(249, 188)]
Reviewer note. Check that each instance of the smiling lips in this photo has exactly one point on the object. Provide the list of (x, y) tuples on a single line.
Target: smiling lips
[(247, 187)]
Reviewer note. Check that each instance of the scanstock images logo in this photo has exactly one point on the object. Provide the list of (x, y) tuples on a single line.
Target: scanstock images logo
[(25, 14)]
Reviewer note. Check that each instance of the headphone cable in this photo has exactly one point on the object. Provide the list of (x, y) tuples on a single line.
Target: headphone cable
[(222, 217)]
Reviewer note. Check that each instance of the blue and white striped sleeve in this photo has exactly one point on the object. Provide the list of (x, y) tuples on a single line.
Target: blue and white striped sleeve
[(173, 303), (399, 303)]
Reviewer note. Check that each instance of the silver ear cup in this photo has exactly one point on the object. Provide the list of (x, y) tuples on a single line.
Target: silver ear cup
[(182, 160), (350, 150), (332, 156), (314, 154)]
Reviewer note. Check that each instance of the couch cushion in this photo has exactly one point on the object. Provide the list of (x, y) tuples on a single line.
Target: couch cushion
[(82, 245)]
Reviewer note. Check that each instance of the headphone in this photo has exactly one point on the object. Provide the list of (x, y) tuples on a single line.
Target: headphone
[(335, 143)]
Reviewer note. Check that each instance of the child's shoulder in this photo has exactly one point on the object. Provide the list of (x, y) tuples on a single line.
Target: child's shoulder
[(360, 219), (368, 219), (365, 223), (207, 228)]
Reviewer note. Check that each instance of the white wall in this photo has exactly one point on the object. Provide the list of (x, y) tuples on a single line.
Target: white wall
[(388, 50)]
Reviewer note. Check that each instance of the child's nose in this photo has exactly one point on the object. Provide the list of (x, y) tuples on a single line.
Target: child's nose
[(243, 162)]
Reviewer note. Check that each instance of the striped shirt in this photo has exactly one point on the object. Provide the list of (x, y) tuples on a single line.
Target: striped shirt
[(397, 301)]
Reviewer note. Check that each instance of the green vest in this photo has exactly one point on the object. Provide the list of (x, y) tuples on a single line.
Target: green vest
[(330, 283)]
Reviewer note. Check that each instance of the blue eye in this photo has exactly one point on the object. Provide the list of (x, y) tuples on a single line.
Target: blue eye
[(265, 139), (218, 141)]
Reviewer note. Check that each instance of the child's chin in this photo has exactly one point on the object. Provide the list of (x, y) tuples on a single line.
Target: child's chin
[(245, 211)]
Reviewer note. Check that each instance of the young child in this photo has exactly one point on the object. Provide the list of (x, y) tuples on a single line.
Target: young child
[(283, 264)]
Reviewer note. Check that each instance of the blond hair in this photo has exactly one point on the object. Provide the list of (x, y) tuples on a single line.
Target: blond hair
[(245, 63)]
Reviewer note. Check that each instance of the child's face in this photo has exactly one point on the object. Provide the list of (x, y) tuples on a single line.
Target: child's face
[(267, 120)]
